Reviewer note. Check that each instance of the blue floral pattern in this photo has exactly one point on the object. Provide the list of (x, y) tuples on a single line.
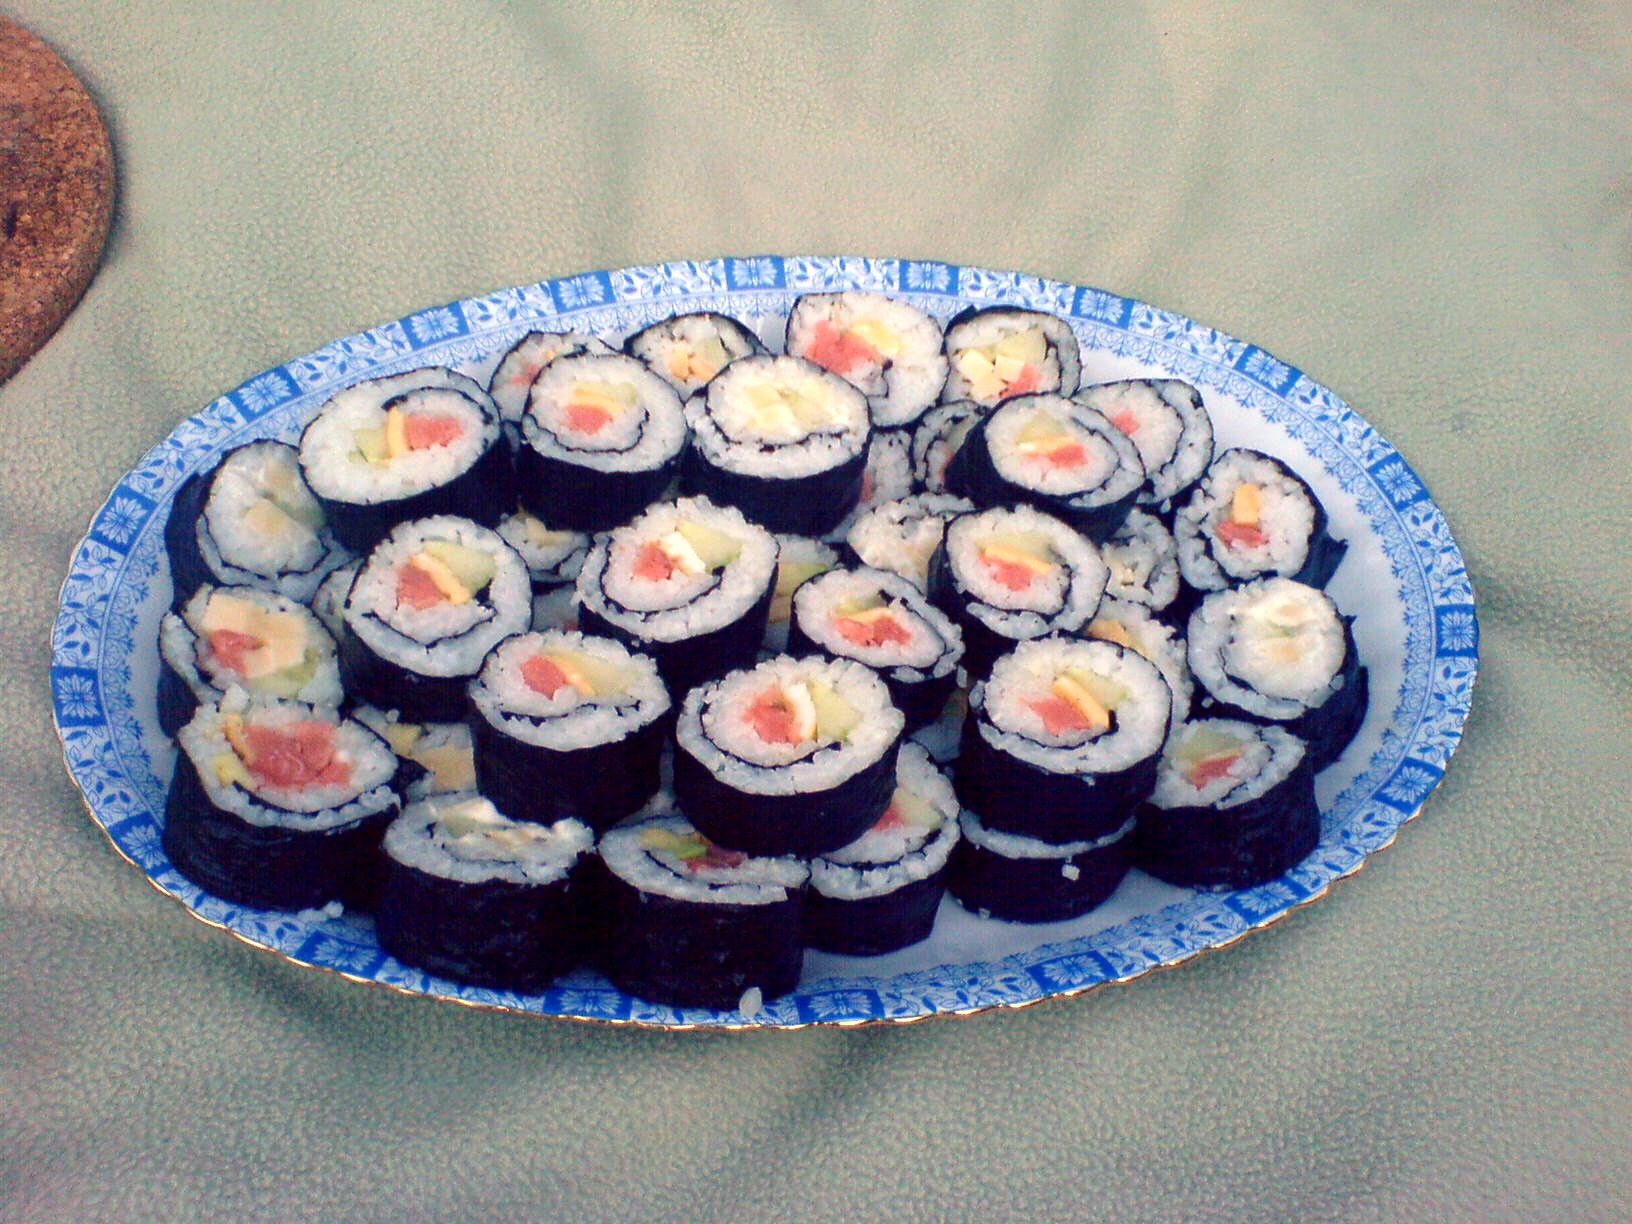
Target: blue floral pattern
[(104, 666)]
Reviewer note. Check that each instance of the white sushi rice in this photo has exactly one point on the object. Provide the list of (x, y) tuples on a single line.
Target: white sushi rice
[(795, 556), (670, 344), (514, 375), (883, 860), (1167, 422), (1014, 846), (1061, 368), (1287, 518), (1268, 757), (185, 648), (1132, 625), (936, 440), (643, 436), (334, 466), (1143, 561), (902, 535), (444, 639), (714, 727), (731, 433), (1062, 599), (552, 557), (569, 720), (899, 385), (1103, 453), (262, 526), (465, 838), (1274, 647), (1005, 718), (757, 880), (934, 643), (372, 762)]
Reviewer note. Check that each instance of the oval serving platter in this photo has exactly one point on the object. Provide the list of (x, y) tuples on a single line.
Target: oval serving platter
[(1403, 579)]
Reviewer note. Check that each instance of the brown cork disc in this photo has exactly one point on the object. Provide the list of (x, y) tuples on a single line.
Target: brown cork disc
[(56, 193)]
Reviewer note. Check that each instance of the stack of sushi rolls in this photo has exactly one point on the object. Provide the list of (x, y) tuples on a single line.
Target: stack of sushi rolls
[(426, 607), (247, 638), (691, 923), (902, 535), (798, 560), (554, 556), (1053, 453), (1233, 806), (406, 446), (688, 350), (477, 897), (1143, 561), (790, 757), (512, 379), (880, 893), (1279, 651), (280, 805), (997, 352), (782, 440), (887, 349), (1169, 427), (936, 439), (601, 440), (688, 583), (250, 521), (568, 726), (1010, 575), (1252, 517), (881, 620)]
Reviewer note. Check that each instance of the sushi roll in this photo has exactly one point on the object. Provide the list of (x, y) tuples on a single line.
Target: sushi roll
[(782, 440), (521, 364), (1062, 741), (1168, 424), (1006, 576), (798, 559), (1022, 879), (554, 557), (475, 897), (885, 622), (887, 349), (1132, 625), (692, 924), (440, 753), (1234, 806), (406, 446), (936, 440), (794, 756), (601, 440), (1050, 452), (995, 352), (880, 893), (1143, 561), (1278, 651), (425, 608), (902, 535), (1253, 517), (688, 583), (688, 350), (250, 521), (566, 725), (226, 637), (280, 805)]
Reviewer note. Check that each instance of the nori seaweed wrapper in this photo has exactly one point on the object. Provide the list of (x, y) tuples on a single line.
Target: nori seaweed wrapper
[(871, 926), (598, 785), (1036, 889), (484, 493), (810, 505), (573, 497)]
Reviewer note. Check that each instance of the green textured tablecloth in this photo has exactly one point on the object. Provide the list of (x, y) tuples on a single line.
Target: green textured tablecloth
[(1427, 208)]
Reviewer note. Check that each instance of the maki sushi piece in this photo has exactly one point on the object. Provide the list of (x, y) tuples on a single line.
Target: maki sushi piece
[(902, 535), (566, 725), (250, 521), (554, 556), (690, 923), (1023, 879), (1132, 625), (782, 440), (1144, 562), (1007, 576), (1253, 517), (996, 352), (1050, 452), (1234, 806), (688, 583), (798, 560), (280, 805), (794, 756), (1278, 651), (1062, 741), (425, 608), (688, 350), (406, 446), (885, 622), (243, 637), (475, 897), (880, 893), (936, 440), (1168, 424), (887, 349), (521, 365), (601, 440)]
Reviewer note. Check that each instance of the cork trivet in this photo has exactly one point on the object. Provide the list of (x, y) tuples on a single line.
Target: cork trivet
[(56, 193)]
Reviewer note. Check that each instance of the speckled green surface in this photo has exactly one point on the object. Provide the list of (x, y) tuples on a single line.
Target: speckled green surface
[(1429, 210)]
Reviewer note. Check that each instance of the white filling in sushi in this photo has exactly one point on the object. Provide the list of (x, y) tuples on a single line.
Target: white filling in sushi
[(260, 518)]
